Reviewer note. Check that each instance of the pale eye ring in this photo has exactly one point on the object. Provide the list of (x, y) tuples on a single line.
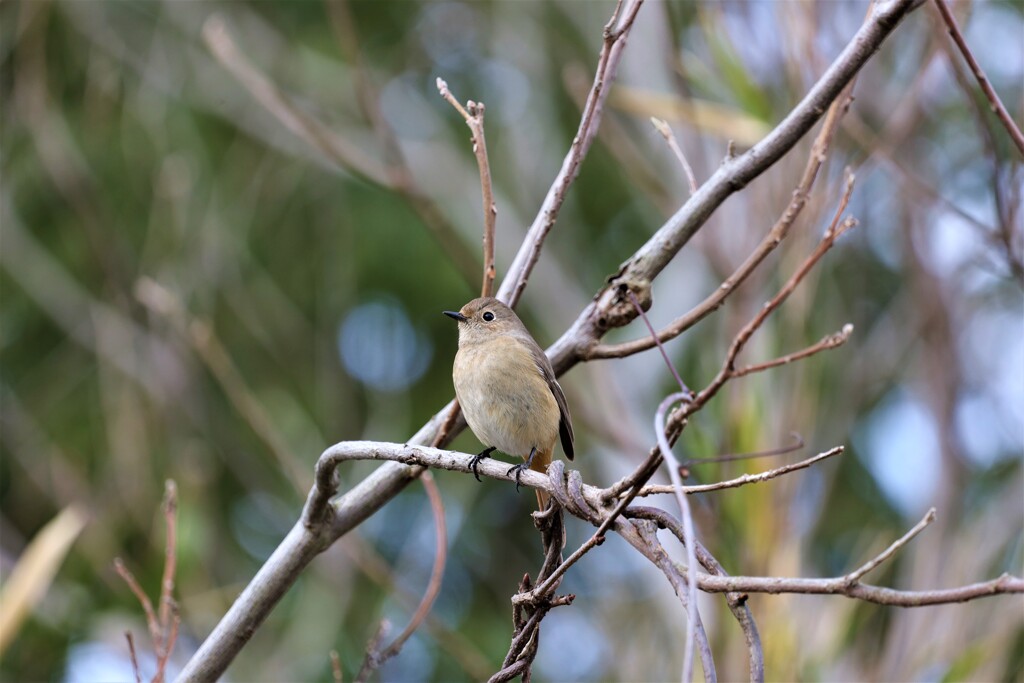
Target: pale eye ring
[(488, 316)]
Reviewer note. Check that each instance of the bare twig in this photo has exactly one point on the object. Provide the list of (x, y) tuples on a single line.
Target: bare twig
[(856, 575), (147, 605), (674, 473), (615, 33), (841, 585), (979, 74), (133, 656), (373, 646), (829, 342), (666, 132), (689, 536), (163, 629), (170, 553), (473, 113), (746, 478), (737, 601)]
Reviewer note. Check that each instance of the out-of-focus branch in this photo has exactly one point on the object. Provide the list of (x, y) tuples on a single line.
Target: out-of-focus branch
[(163, 629), (375, 656), (473, 113), (207, 346), (315, 133), (395, 175), (979, 74)]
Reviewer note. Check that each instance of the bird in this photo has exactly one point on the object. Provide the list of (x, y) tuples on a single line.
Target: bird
[(507, 389)]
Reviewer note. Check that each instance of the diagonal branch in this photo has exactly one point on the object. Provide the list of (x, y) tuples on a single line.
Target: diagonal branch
[(979, 74), (615, 33)]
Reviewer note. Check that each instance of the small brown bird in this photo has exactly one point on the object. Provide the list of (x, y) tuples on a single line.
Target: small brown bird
[(507, 389)]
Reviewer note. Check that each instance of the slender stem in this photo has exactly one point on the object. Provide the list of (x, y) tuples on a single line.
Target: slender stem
[(979, 74)]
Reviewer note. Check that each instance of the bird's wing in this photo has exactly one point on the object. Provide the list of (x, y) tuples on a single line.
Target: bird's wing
[(565, 421)]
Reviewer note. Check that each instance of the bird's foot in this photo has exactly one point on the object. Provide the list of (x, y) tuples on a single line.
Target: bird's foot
[(475, 460), (518, 469)]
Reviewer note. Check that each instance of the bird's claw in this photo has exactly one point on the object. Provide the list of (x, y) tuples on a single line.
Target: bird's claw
[(475, 460), (518, 469)]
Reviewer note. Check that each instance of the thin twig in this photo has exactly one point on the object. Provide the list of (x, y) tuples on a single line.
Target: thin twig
[(373, 646), (979, 74), (616, 32), (170, 553), (132, 655), (674, 473), (689, 536), (856, 575), (797, 444), (666, 132), (436, 573), (737, 601), (841, 585), (728, 370), (147, 606), (168, 647), (473, 113), (829, 342), (746, 478)]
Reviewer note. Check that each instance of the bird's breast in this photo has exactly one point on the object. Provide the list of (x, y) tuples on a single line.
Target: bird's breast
[(506, 400)]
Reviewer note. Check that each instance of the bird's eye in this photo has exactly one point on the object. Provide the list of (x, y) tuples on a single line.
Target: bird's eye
[(488, 316)]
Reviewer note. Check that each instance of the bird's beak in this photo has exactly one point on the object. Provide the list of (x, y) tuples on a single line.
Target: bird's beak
[(456, 315)]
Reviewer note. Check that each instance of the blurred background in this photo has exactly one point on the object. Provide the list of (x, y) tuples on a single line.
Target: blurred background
[(228, 232)]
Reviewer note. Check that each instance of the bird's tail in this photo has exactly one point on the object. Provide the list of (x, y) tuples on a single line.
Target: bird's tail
[(540, 464)]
